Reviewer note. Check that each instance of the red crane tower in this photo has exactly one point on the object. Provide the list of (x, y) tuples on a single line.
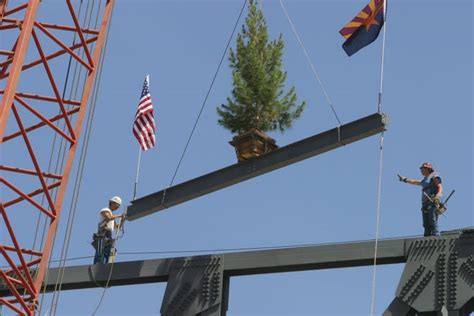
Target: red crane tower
[(33, 109)]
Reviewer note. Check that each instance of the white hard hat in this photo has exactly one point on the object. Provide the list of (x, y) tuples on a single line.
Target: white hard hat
[(116, 199)]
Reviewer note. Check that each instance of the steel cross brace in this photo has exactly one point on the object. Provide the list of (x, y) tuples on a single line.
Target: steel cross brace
[(284, 156)]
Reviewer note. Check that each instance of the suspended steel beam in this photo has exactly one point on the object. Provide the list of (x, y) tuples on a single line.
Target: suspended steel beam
[(352, 254), (284, 156)]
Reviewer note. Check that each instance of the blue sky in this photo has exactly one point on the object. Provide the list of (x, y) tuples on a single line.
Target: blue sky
[(329, 198)]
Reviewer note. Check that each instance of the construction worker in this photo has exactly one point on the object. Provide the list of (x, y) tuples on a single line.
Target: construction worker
[(431, 193), (103, 240)]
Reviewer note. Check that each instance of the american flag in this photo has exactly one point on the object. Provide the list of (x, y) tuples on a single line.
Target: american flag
[(144, 124)]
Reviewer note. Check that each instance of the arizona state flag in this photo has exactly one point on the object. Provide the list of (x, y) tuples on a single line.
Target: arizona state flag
[(364, 28)]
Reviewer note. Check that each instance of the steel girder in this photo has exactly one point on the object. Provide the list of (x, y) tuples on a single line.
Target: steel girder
[(341, 255), (30, 113), (438, 276), (284, 156)]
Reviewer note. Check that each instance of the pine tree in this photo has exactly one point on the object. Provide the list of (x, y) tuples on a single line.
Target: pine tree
[(258, 99)]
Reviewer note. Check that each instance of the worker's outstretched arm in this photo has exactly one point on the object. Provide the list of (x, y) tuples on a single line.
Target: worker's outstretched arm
[(408, 180)]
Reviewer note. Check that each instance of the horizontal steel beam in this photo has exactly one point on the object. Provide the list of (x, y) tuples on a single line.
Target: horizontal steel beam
[(284, 156), (329, 256), (352, 254)]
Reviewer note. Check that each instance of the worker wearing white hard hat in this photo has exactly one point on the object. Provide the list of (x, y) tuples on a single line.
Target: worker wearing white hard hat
[(107, 224), (107, 218)]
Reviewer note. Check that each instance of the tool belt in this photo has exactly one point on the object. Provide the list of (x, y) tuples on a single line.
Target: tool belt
[(438, 208), (102, 234)]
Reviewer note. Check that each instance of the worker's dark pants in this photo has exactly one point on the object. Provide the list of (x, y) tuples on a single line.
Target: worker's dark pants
[(430, 220), (104, 248)]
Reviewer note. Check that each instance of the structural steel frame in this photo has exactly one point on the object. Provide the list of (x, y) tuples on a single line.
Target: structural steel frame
[(282, 157), (52, 186), (439, 272), (438, 278), (343, 255)]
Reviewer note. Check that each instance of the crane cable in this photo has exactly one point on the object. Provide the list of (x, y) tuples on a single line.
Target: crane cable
[(74, 87), (63, 148), (205, 100), (82, 161), (50, 163), (379, 183), (61, 154), (73, 95), (66, 81), (315, 72)]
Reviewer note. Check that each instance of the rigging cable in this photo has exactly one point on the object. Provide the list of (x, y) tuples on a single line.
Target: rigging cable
[(54, 139), (315, 72), (53, 145), (61, 154), (205, 99), (72, 95), (89, 128), (81, 166), (379, 184)]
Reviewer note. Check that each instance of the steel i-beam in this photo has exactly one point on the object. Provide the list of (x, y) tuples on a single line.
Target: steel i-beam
[(340, 255), (284, 156), (438, 276)]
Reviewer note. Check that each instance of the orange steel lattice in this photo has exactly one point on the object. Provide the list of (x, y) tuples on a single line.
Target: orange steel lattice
[(33, 110)]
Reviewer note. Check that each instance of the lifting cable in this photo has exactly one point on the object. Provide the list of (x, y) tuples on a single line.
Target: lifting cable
[(54, 138), (80, 171), (74, 86), (205, 99), (61, 152), (379, 184), (50, 163), (59, 161), (88, 133), (315, 72), (72, 95)]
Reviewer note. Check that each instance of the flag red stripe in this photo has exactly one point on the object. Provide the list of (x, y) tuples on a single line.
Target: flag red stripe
[(144, 127)]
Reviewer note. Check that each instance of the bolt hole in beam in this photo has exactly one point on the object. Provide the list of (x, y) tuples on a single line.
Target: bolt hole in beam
[(239, 172)]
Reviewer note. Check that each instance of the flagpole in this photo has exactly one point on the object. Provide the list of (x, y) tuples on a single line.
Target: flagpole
[(138, 171), (143, 125), (379, 103)]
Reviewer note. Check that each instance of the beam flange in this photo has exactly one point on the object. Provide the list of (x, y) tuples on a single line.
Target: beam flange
[(284, 156)]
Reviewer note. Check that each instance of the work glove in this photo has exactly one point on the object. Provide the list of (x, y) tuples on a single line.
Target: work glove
[(402, 178), (437, 201)]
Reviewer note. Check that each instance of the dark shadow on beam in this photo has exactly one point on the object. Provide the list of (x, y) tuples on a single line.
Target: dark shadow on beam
[(284, 156)]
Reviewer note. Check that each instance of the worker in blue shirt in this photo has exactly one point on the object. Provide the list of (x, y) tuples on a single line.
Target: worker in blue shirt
[(431, 193)]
